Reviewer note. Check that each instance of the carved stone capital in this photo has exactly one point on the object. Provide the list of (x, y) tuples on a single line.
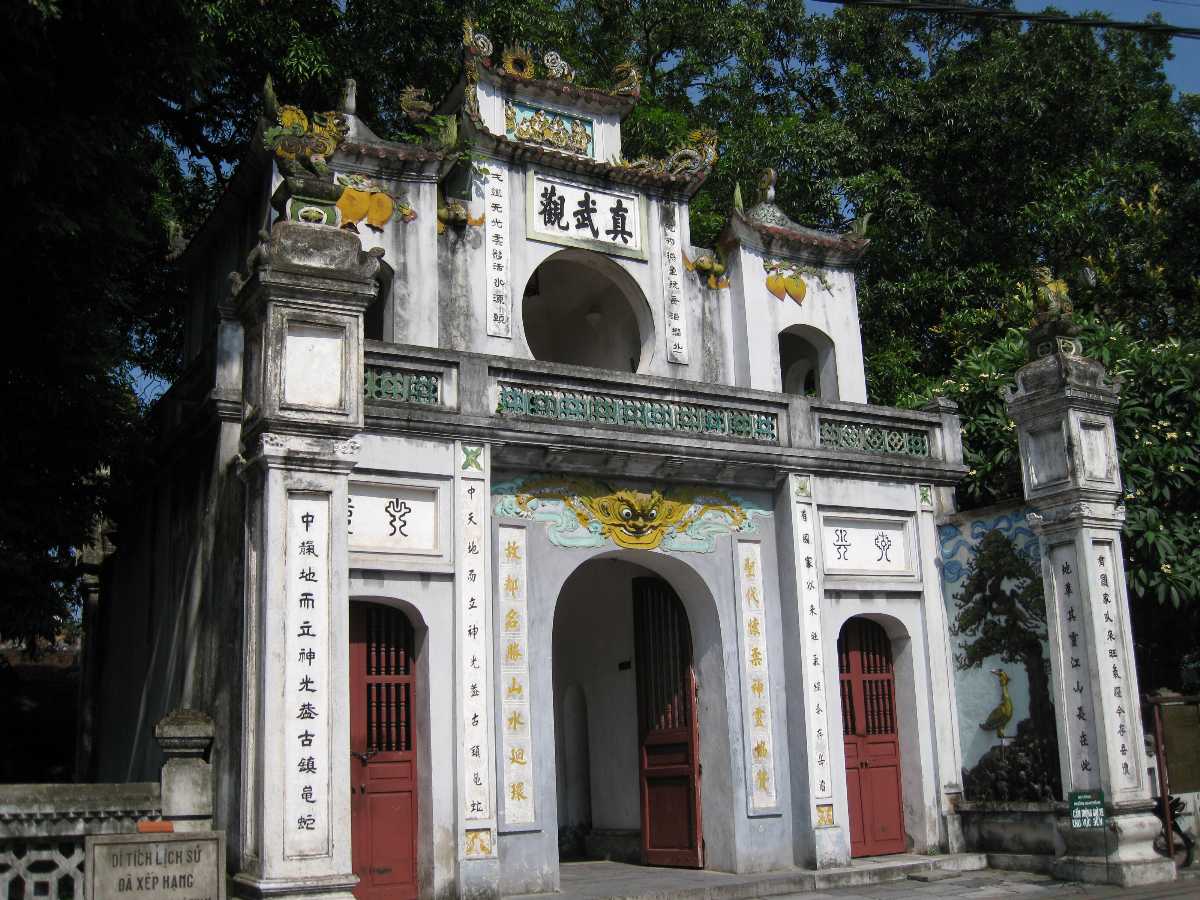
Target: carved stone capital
[(1062, 375), (184, 733)]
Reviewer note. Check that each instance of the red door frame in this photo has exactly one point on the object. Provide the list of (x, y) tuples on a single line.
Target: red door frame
[(871, 737), (668, 729), (383, 749)]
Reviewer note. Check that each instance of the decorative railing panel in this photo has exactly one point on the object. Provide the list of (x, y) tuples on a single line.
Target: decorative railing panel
[(869, 438), (50, 868), (402, 386), (43, 826), (588, 408)]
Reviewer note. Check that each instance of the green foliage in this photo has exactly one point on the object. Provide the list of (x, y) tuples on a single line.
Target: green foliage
[(1157, 424), (981, 149), (87, 294)]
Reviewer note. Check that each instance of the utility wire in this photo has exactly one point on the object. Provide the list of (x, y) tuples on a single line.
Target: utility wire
[(982, 12)]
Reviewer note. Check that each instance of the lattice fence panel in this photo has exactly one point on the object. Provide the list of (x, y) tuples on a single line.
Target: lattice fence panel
[(36, 869)]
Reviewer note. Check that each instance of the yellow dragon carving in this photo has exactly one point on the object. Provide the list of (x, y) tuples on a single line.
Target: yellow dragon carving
[(633, 520)]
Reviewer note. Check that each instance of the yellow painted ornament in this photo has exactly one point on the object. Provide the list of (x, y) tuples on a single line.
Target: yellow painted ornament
[(795, 287), (353, 204), (787, 279), (379, 210)]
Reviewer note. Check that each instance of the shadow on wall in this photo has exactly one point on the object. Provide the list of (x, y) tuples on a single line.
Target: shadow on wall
[(999, 624)]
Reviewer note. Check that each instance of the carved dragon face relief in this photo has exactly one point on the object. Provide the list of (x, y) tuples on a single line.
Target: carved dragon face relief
[(586, 513), (634, 520)]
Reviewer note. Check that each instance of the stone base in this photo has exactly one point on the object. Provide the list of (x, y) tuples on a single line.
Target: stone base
[(955, 841), (831, 848), (479, 879), (331, 887), (1022, 862), (1121, 853)]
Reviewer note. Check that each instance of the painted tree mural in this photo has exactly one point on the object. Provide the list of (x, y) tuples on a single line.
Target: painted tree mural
[(1001, 611)]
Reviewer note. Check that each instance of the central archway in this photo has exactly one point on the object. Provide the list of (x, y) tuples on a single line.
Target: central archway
[(582, 308), (638, 684)]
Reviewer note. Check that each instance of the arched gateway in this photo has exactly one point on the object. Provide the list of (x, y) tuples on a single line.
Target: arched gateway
[(608, 560), (627, 728)]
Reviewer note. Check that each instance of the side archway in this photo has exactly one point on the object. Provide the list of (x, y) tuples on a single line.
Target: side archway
[(391, 807), (891, 641), (807, 363)]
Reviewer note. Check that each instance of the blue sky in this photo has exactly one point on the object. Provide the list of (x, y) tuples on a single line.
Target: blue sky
[(1184, 69)]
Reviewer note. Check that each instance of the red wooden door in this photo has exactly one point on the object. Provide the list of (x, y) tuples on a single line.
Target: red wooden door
[(383, 765), (669, 739), (872, 745)]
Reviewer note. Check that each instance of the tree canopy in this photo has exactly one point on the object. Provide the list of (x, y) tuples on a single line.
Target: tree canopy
[(980, 148)]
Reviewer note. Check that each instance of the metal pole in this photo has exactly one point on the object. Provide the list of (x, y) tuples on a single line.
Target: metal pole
[(1164, 783)]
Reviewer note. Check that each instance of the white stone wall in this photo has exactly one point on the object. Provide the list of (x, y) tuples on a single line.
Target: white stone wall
[(759, 317)]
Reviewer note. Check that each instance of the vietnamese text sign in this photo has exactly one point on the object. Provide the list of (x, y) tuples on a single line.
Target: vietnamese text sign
[(1087, 809), (188, 866)]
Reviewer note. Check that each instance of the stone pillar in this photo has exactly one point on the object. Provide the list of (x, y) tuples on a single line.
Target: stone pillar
[(185, 736), (480, 715), (301, 305), (940, 661), (1063, 407), (820, 824)]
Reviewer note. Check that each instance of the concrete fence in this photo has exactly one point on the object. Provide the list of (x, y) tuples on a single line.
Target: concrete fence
[(43, 826)]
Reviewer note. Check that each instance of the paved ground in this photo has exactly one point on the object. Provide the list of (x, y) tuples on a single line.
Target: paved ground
[(598, 880), (991, 884)]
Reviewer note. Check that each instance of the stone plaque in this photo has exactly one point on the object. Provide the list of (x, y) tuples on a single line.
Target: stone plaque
[(865, 546), (313, 358), (189, 866), (583, 215), (386, 518)]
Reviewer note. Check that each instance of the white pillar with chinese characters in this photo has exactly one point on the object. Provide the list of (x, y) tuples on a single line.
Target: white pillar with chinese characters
[(818, 819), (478, 863), (303, 377), (1063, 407)]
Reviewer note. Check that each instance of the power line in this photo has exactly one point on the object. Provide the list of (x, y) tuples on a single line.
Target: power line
[(981, 12), (1178, 3)]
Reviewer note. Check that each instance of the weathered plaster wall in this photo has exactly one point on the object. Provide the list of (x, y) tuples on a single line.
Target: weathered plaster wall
[(759, 317), (411, 309), (593, 633)]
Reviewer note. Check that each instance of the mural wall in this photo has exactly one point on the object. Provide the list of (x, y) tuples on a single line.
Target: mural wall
[(991, 576)]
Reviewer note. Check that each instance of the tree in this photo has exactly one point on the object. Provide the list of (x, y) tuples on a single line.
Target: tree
[(981, 149), (1002, 612), (95, 196), (1157, 424)]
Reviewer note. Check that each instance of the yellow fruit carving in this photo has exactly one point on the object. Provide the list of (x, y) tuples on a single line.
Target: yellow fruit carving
[(354, 204), (795, 287), (788, 279), (379, 210)]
